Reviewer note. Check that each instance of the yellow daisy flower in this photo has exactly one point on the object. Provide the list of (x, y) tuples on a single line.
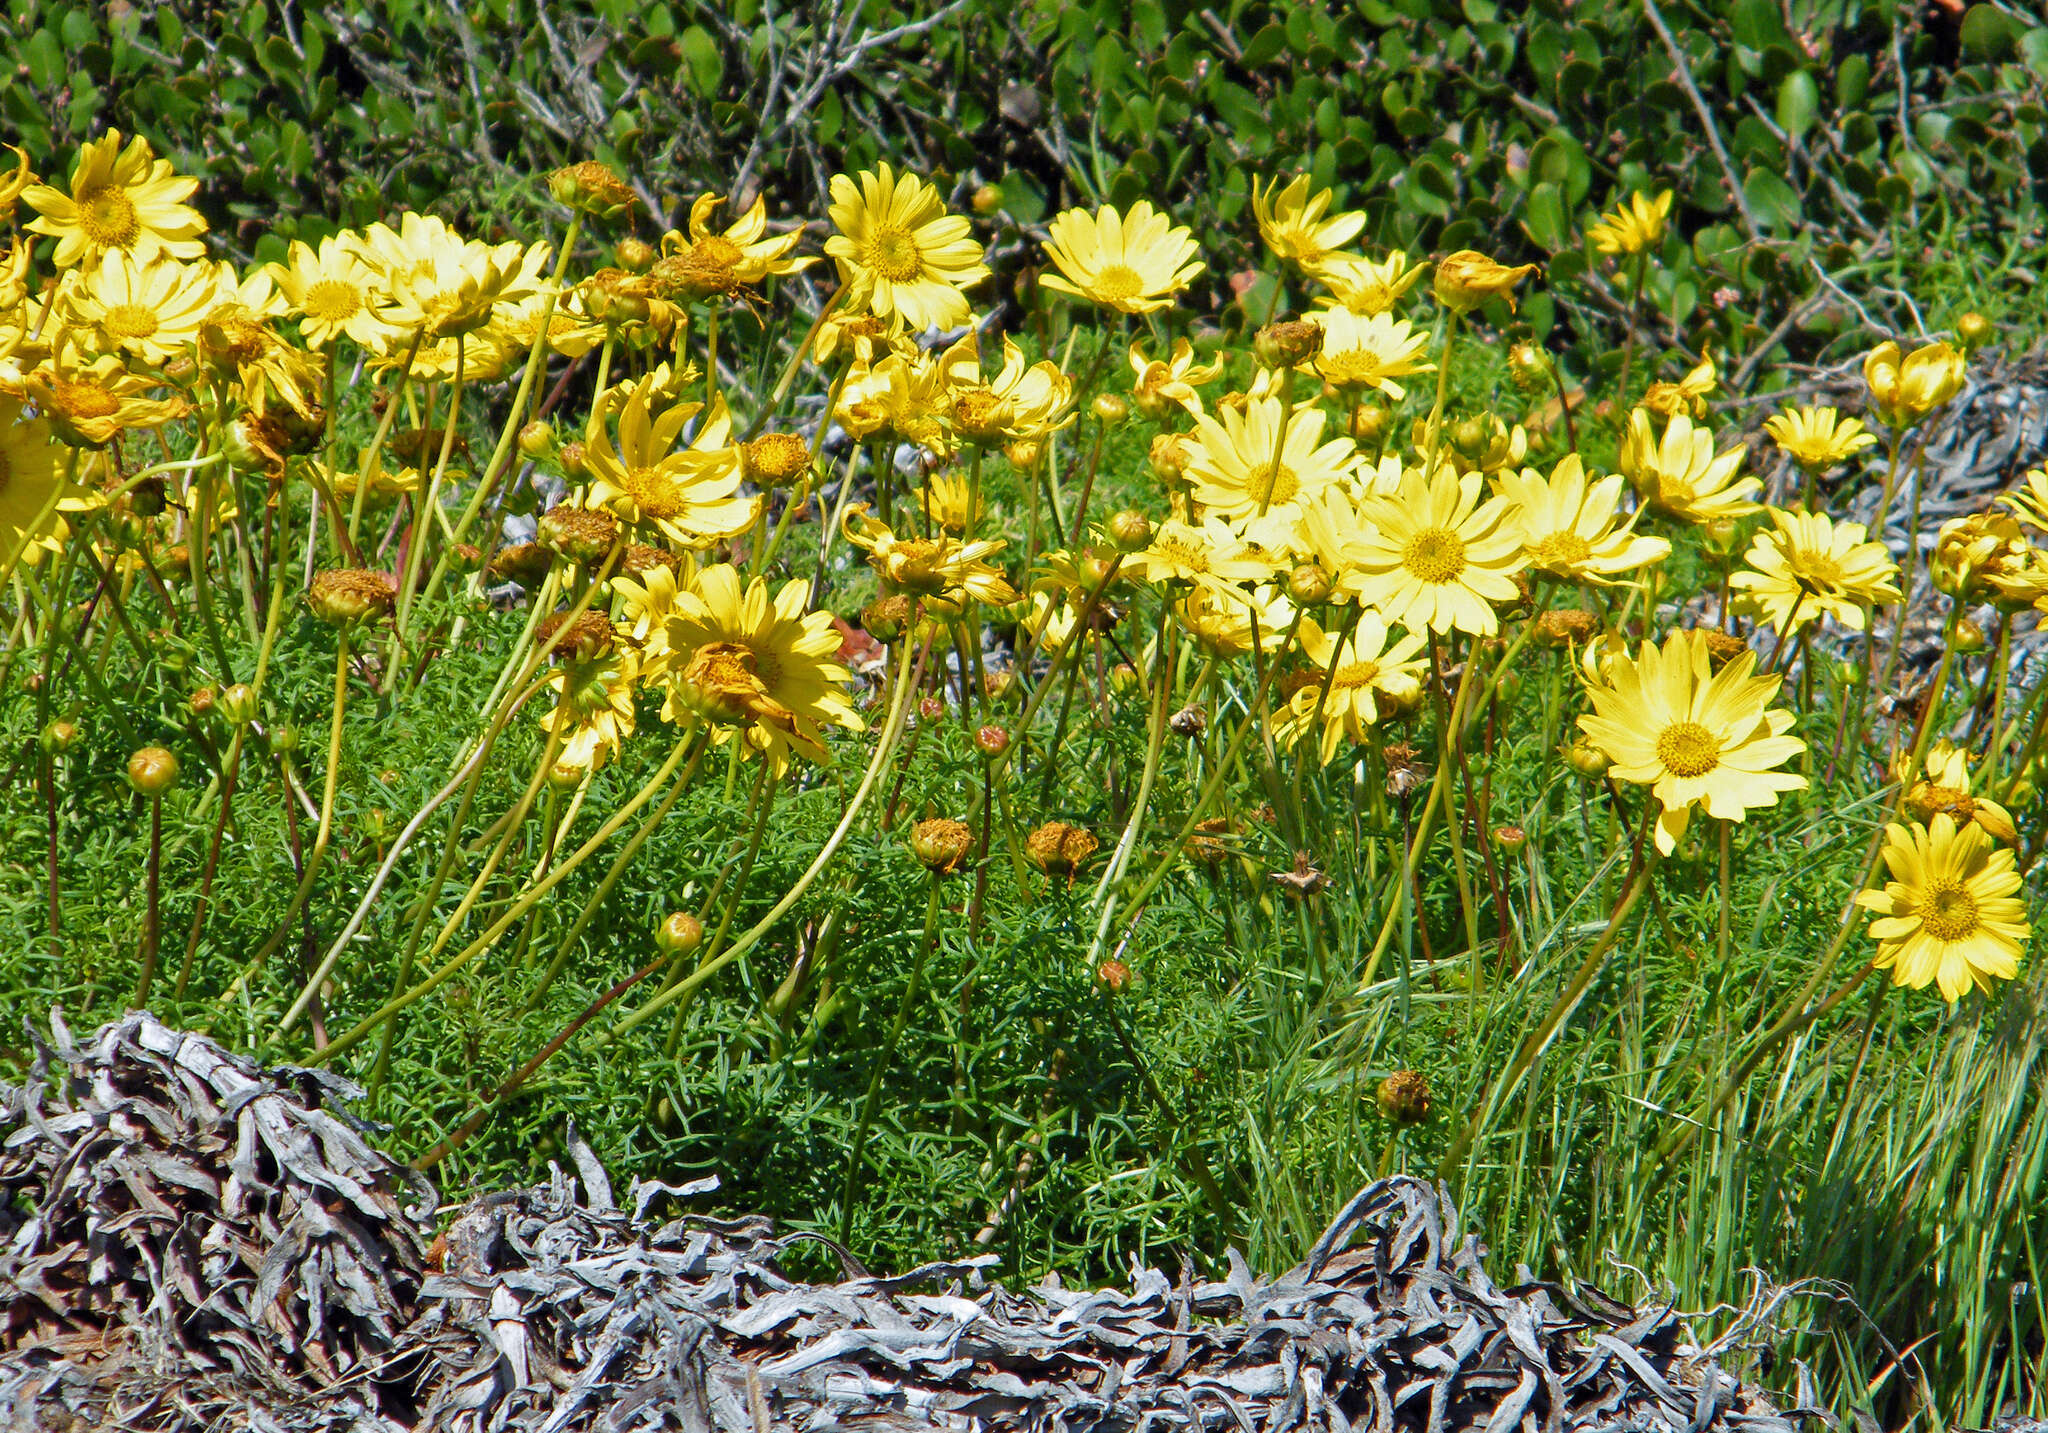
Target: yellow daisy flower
[(1230, 625), (34, 496), (150, 312), (1948, 916), (1634, 227), (707, 262), (1362, 672), (1365, 287), (941, 567), (1208, 554), (900, 254), (691, 495), (1907, 387), (1667, 720), (1163, 385), (857, 337), (2029, 501), (1688, 395), (1133, 262), (88, 405), (1434, 556), (1468, 278), (1575, 532), (743, 659), (441, 284), (124, 199), (949, 503), (1361, 355), (1023, 400), (1297, 225), (1681, 474), (1944, 788), (333, 292), (593, 711), (901, 395), (1817, 437), (1810, 566), (1240, 468)]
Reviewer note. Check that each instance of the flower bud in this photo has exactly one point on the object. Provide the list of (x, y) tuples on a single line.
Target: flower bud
[(1110, 408), (1973, 331), (1308, 585), (1564, 627), (152, 771), (1113, 976), (1528, 369), (987, 199), (1123, 677), (573, 463), (680, 934), (1169, 456), (1189, 722), (1969, 635), (566, 776), (591, 188), (147, 498), (202, 700), (583, 535), (941, 845), (537, 440), (931, 708), (282, 740), (238, 704), (991, 741), (1369, 422), (1509, 840), (1721, 534), (884, 618), (525, 563), (1130, 530), (1024, 453), (59, 737), (1467, 279), (1586, 759), (344, 596), (240, 446), (998, 682), (633, 254), (1404, 1097), (1287, 343)]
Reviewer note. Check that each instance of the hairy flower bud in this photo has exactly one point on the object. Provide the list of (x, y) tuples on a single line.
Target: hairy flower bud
[(885, 617), (1974, 331), (1110, 408), (1308, 585), (59, 737), (1528, 369), (1586, 759), (537, 440), (1287, 343)]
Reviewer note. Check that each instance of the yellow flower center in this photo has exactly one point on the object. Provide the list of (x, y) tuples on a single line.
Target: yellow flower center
[(1816, 572), (331, 301), (892, 252), (657, 495), (1688, 749), (1561, 549), (1271, 483), (1351, 368), (107, 217), (84, 400), (717, 251), (1435, 554), (131, 321), (978, 413), (1115, 283), (1180, 553), (1356, 674), (1948, 911)]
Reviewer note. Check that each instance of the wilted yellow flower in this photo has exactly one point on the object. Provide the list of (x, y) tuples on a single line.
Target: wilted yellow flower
[(1467, 279), (901, 395), (1575, 532), (900, 254), (1907, 387), (1163, 386), (1809, 566), (1944, 787), (124, 199), (939, 567), (1134, 263), (1681, 474), (1362, 671), (1023, 400), (1633, 227), (1232, 624), (1979, 550), (1297, 225), (1209, 555), (1667, 720), (1688, 395), (1361, 355), (593, 189), (593, 712), (1948, 916), (1817, 437), (1365, 287), (708, 262), (14, 185), (691, 495), (148, 311), (1434, 556), (1240, 468)]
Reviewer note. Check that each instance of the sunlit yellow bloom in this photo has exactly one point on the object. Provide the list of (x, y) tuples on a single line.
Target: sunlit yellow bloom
[(1985, 549), (742, 659), (1667, 720), (333, 293), (1634, 227), (941, 567), (903, 396), (1241, 469), (1023, 400), (1681, 474), (150, 312), (593, 711), (1907, 387), (1351, 679), (89, 404), (2029, 501), (1944, 787), (440, 283), (643, 602), (1573, 531), (1809, 566), (14, 185), (124, 199), (34, 495), (1361, 355), (1228, 625), (1435, 556), (1467, 279), (1949, 915), (1688, 395), (847, 335), (950, 503), (1208, 555), (1133, 262), (707, 262), (690, 495), (1297, 225), (1817, 437), (514, 326), (1162, 386), (1365, 287), (900, 254)]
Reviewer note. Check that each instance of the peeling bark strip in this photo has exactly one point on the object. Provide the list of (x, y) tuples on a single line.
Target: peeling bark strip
[(190, 1241)]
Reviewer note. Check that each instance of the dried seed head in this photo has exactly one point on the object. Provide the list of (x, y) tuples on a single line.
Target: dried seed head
[(152, 771), (1190, 721), (202, 700), (1722, 647), (1113, 976), (1287, 343), (525, 563), (992, 741), (1564, 627), (1204, 844), (931, 708), (1404, 1097), (1059, 849), (1305, 878), (941, 844), (1510, 839), (343, 596), (593, 189), (583, 535), (1406, 772), (639, 557), (590, 635)]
